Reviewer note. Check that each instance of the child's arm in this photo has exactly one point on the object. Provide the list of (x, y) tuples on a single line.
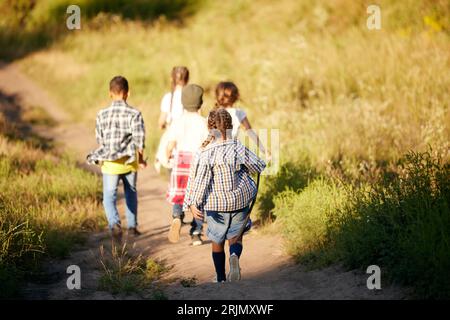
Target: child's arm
[(98, 131), (252, 134), (138, 134), (142, 162), (165, 110), (170, 147), (252, 162), (162, 120), (172, 134)]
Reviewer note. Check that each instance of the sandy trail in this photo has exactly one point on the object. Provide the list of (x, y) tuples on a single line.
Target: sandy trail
[(267, 271)]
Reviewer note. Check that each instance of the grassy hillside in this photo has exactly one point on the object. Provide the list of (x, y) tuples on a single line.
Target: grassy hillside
[(341, 92), (350, 103)]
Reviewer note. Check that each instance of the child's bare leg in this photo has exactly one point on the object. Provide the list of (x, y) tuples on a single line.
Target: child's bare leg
[(218, 247), (218, 255)]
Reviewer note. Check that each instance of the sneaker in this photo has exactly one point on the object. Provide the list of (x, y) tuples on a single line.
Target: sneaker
[(215, 280), (196, 240), (134, 232), (116, 231), (174, 232), (235, 270)]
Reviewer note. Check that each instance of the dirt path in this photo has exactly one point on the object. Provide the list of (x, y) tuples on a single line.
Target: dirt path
[(268, 273)]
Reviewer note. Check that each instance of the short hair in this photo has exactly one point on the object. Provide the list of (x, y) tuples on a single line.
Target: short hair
[(118, 85)]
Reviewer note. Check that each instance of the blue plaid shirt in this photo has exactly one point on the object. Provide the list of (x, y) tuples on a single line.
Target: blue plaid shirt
[(120, 132), (220, 178)]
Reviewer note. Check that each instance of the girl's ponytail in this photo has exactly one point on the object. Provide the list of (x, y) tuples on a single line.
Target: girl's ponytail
[(211, 126), (180, 76)]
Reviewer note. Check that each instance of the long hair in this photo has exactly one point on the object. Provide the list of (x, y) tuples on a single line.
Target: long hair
[(219, 121), (180, 76)]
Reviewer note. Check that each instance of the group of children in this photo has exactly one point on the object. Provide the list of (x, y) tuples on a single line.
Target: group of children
[(210, 169)]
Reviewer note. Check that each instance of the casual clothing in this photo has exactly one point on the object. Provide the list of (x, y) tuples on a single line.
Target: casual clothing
[(192, 97), (110, 184), (177, 211), (237, 116), (196, 227), (220, 184), (174, 110), (179, 178), (220, 177), (196, 224), (189, 131), (120, 132), (119, 166), (225, 225), (172, 106)]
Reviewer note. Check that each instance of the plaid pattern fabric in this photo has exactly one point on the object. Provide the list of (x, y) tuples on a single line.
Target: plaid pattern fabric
[(120, 132), (219, 178), (179, 177)]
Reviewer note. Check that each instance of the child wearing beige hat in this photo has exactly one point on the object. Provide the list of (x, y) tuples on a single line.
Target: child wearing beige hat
[(185, 136)]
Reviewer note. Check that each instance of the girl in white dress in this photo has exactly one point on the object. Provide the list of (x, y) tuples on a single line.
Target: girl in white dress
[(171, 109)]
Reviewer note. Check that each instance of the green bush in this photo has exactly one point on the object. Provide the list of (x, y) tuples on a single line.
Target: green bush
[(291, 176), (401, 225), (305, 216)]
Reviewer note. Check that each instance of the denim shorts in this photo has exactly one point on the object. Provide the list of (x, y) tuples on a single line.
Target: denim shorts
[(225, 225)]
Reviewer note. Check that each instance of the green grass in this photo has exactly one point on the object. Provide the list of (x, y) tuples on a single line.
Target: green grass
[(189, 282), (126, 273), (47, 205), (291, 177), (27, 26), (349, 103), (401, 224), (305, 216), (351, 98)]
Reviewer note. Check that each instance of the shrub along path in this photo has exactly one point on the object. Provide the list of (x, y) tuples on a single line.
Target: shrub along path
[(267, 271)]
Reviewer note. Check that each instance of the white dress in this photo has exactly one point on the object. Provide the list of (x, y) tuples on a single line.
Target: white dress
[(174, 110)]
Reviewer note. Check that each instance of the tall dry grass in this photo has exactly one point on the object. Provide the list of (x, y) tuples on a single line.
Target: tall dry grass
[(47, 205), (349, 102), (337, 90)]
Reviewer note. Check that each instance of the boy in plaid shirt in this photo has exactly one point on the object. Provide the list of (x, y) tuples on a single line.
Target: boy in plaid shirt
[(220, 185), (120, 133)]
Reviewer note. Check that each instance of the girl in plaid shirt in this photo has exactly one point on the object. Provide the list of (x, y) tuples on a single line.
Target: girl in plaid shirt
[(220, 185)]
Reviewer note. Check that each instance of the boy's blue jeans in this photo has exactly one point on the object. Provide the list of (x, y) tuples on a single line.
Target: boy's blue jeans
[(196, 224), (110, 184)]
